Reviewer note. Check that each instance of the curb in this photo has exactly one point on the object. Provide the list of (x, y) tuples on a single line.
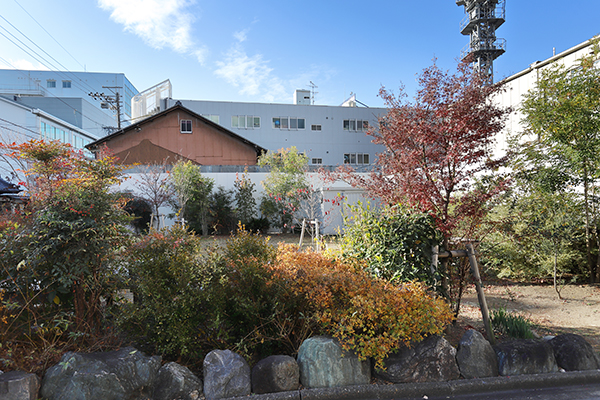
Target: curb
[(431, 389)]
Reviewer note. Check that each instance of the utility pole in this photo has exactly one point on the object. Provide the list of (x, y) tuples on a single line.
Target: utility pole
[(112, 102)]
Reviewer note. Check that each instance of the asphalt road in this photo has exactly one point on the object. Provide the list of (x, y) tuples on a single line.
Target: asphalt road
[(575, 392)]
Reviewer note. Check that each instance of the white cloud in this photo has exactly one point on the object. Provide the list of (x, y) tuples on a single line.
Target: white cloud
[(241, 36), (251, 74), (160, 23), (24, 65)]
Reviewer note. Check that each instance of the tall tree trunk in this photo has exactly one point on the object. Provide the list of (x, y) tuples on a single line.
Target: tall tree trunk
[(588, 239)]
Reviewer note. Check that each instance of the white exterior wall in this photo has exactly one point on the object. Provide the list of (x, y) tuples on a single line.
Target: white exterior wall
[(328, 144), (26, 83), (19, 124), (331, 215), (519, 84)]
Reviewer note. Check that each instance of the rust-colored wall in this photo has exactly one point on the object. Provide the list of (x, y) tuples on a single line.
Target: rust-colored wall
[(206, 145)]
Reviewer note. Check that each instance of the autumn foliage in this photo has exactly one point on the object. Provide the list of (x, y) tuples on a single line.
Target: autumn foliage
[(368, 315), (436, 146)]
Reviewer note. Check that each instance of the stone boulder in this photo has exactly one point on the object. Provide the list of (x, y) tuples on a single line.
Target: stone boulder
[(126, 374), (573, 353), (475, 356), (176, 382), (431, 360), (19, 385), (226, 374), (324, 363), (275, 374), (525, 356)]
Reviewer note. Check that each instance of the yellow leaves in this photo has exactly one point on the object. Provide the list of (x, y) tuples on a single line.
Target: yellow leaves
[(368, 315)]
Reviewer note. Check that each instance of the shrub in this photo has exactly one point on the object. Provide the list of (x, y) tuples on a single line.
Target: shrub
[(514, 326), (222, 218), (260, 225), (395, 242), (367, 314), (189, 301), (258, 300), (167, 281)]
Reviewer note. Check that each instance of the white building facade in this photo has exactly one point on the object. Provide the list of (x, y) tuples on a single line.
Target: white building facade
[(20, 123), (517, 85), (328, 135), (66, 95)]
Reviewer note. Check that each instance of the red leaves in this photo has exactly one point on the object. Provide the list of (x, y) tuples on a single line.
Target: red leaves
[(435, 146)]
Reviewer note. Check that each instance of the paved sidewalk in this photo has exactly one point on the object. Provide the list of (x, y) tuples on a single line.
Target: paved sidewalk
[(439, 389)]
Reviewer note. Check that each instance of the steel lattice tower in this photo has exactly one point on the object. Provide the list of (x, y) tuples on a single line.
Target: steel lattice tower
[(482, 17)]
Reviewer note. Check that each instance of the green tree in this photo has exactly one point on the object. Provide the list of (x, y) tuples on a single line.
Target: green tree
[(222, 218), (244, 198), (192, 194), (562, 117), (395, 242), (61, 252), (286, 185)]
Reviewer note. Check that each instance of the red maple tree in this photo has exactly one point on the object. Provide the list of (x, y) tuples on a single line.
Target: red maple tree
[(436, 146)]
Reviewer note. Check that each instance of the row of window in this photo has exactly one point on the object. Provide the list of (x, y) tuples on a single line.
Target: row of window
[(349, 158), (51, 83), (292, 123), (245, 121), (356, 158), (356, 125), (53, 133)]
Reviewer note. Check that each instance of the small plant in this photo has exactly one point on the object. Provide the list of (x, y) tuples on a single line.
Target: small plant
[(514, 326), (368, 315)]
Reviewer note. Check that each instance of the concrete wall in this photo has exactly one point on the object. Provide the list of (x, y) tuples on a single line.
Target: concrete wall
[(330, 215)]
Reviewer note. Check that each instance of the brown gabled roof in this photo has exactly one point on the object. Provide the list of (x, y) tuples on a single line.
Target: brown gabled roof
[(177, 107)]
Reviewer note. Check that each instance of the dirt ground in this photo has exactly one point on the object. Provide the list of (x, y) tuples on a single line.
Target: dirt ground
[(577, 312)]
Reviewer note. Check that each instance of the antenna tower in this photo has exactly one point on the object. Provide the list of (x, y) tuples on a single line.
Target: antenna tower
[(482, 18), (312, 92)]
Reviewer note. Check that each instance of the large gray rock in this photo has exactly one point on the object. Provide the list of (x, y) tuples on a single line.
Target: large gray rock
[(475, 356), (226, 374), (525, 356), (573, 353), (324, 363), (431, 360), (275, 374), (19, 385), (176, 382), (126, 374)]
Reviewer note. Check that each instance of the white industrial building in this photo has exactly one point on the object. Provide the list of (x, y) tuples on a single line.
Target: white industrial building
[(20, 123), (517, 85), (92, 101), (328, 135)]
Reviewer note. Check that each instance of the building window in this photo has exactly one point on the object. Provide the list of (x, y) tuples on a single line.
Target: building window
[(66, 84), (356, 158), (317, 161), (315, 127), (186, 126), (356, 125), (214, 118), (50, 84), (290, 123), (245, 121)]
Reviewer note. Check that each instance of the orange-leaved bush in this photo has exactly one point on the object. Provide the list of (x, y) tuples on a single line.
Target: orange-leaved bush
[(368, 315)]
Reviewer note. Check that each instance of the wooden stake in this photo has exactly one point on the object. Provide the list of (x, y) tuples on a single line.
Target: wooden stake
[(480, 295), (302, 234)]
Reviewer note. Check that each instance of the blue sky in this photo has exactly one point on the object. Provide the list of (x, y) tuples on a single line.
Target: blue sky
[(261, 51)]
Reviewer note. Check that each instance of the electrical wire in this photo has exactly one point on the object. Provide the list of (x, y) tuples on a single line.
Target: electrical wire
[(57, 42)]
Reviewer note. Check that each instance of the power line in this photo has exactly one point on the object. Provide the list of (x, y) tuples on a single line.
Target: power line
[(76, 80), (54, 96), (40, 25), (52, 66)]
